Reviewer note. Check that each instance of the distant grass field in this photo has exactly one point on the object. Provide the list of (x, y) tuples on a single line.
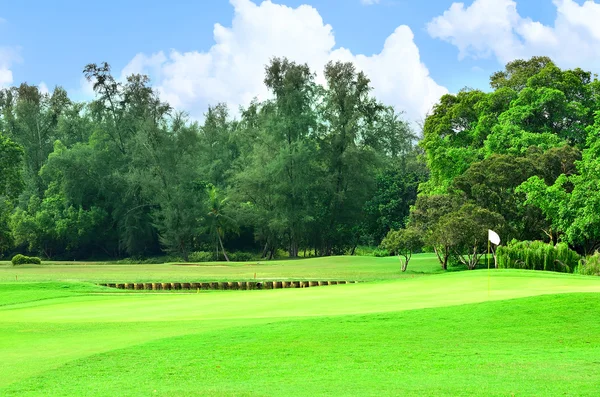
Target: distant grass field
[(363, 268), (533, 334)]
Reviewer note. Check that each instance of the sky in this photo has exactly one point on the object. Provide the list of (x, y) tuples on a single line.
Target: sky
[(200, 53)]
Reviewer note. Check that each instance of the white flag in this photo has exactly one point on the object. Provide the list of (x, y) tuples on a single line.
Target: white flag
[(493, 237)]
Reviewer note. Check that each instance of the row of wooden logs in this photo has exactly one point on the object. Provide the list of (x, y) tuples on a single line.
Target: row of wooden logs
[(231, 285)]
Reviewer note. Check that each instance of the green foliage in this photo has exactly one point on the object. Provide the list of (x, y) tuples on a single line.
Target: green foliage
[(240, 256), (201, 256), (589, 265), (11, 157), (537, 255), (381, 253), (25, 260), (364, 250), (518, 72), (527, 151), (427, 215), (149, 261), (403, 242)]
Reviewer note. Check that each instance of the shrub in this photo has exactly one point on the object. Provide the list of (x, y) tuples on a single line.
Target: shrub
[(26, 260), (537, 255), (242, 256), (148, 261), (202, 256), (590, 266), (381, 253)]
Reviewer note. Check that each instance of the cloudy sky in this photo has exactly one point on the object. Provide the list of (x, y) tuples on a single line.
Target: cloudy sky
[(204, 52)]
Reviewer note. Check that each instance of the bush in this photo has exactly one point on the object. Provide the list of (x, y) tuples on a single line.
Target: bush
[(25, 260), (202, 256), (590, 266), (242, 256), (380, 253), (148, 261), (537, 255)]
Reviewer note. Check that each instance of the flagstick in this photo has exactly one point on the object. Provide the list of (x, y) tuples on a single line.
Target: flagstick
[(488, 263)]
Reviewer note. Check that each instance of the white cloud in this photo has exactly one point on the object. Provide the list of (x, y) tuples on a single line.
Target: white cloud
[(369, 2), (232, 70), (495, 28), (8, 56)]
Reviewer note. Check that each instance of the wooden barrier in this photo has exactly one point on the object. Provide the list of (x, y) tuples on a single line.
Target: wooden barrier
[(228, 285)]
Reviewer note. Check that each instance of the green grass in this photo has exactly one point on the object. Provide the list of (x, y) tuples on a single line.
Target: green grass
[(331, 268), (533, 334)]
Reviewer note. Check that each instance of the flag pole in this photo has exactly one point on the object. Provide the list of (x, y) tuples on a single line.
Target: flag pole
[(488, 263)]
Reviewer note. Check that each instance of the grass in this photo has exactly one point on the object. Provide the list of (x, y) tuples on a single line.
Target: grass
[(534, 334), (343, 268)]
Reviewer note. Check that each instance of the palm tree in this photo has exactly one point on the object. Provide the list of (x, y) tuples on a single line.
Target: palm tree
[(218, 221)]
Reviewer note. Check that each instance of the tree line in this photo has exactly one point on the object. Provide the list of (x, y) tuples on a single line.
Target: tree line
[(314, 170), (522, 159)]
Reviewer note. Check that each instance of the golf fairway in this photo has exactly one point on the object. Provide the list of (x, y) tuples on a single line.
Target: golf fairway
[(411, 336)]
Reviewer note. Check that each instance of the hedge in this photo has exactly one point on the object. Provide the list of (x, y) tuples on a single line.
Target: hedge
[(26, 260), (537, 255)]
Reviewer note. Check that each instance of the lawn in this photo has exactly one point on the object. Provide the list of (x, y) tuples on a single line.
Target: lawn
[(533, 333), (332, 268)]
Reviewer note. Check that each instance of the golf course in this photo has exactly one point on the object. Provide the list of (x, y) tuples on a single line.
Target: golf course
[(421, 333)]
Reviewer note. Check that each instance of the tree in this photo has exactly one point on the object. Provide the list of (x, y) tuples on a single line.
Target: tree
[(349, 112), (396, 190), (218, 221), (427, 215), (467, 231), (403, 242), (571, 204), (11, 157), (491, 184), (517, 73)]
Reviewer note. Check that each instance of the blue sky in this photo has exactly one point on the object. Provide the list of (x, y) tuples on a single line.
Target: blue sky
[(50, 42)]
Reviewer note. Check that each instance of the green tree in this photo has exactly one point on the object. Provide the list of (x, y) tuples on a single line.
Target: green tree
[(403, 243), (517, 73), (11, 157), (427, 215), (217, 220), (467, 231)]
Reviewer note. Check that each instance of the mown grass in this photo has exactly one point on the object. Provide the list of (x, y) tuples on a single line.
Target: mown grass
[(331, 268), (436, 335)]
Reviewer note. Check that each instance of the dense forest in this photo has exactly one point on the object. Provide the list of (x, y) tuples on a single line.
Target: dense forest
[(314, 170)]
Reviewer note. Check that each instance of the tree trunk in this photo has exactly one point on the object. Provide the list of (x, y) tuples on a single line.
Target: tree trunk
[(223, 248), (293, 248), (442, 259)]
